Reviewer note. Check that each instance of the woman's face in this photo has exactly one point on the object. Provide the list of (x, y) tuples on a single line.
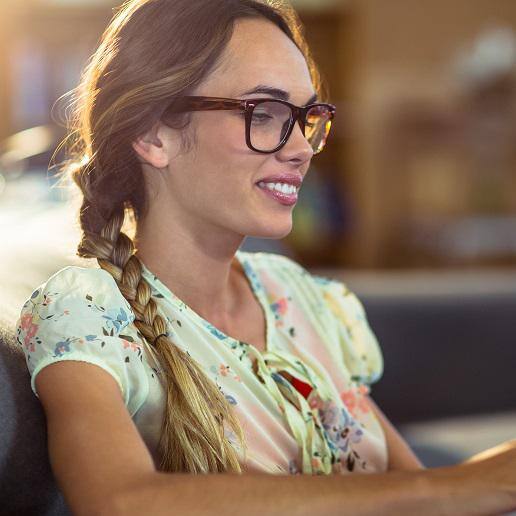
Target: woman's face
[(213, 185)]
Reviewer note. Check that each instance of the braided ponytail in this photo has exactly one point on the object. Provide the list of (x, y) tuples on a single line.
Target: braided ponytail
[(192, 433)]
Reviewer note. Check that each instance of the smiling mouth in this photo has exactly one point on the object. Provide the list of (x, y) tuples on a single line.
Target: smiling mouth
[(285, 188), (285, 196)]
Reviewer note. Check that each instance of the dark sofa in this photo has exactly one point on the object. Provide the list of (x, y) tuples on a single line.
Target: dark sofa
[(27, 485)]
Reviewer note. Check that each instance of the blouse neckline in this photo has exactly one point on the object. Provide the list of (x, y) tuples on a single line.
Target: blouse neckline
[(256, 287)]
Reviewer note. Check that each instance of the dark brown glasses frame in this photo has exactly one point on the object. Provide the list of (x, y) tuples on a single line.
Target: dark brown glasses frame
[(197, 103)]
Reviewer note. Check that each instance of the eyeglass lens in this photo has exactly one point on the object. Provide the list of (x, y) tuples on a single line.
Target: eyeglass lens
[(270, 122)]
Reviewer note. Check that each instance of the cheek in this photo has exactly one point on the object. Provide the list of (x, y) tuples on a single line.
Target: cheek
[(221, 164), (223, 134), (224, 157)]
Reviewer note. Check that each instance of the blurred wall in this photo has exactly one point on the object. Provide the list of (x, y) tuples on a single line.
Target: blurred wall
[(404, 52), (42, 50)]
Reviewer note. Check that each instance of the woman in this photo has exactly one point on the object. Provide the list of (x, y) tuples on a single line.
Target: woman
[(180, 353)]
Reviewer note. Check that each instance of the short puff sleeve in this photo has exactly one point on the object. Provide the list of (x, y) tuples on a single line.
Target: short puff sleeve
[(80, 314), (360, 349)]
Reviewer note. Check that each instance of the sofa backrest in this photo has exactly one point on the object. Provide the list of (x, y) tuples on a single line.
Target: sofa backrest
[(27, 485), (444, 355)]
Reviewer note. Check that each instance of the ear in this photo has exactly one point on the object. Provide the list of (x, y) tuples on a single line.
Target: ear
[(153, 147)]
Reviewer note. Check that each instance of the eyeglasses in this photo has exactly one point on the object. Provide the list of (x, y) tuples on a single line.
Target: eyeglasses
[(268, 122)]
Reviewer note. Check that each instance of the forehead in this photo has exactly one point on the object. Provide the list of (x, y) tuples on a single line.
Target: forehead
[(259, 52)]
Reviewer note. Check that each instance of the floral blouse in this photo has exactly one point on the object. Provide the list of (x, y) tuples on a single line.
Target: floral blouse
[(318, 422)]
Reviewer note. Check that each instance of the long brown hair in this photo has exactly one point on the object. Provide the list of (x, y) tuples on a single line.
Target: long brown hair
[(151, 52)]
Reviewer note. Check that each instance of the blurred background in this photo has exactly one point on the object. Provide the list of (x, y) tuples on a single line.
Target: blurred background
[(412, 203)]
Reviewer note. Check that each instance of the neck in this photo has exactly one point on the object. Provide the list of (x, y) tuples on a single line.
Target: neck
[(204, 273)]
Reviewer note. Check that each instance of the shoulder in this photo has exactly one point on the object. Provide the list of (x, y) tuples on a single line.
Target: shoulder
[(80, 314), (337, 311), (75, 276), (76, 304), (89, 285)]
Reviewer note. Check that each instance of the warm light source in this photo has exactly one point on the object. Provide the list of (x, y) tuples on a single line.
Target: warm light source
[(82, 3), (21, 146)]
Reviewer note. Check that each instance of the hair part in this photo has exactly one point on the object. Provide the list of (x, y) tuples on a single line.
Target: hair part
[(121, 95)]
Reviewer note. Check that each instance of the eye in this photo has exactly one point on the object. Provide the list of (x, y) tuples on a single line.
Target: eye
[(261, 117)]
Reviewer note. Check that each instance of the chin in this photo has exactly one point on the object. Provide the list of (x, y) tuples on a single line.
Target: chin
[(274, 230)]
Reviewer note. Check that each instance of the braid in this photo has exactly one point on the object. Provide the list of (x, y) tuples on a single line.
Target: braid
[(192, 433)]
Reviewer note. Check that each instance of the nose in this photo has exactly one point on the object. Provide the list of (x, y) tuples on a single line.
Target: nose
[(297, 146)]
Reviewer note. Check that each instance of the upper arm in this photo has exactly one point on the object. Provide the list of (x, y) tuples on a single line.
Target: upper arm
[(80, 314), (400, 454), (95, 448), (86, 362)]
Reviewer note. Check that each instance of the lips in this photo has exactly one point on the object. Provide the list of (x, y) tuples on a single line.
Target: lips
[(287, 199), (289, 179)]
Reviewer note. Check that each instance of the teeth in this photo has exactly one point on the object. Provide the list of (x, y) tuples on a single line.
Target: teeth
[(279, 187)]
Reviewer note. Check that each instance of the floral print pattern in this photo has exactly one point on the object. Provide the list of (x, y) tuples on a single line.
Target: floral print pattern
[(355, 400), (279, 308), (342, 431), (115, 319)]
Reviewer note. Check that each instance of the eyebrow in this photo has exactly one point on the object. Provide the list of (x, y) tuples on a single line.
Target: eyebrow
[(276, 92)]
